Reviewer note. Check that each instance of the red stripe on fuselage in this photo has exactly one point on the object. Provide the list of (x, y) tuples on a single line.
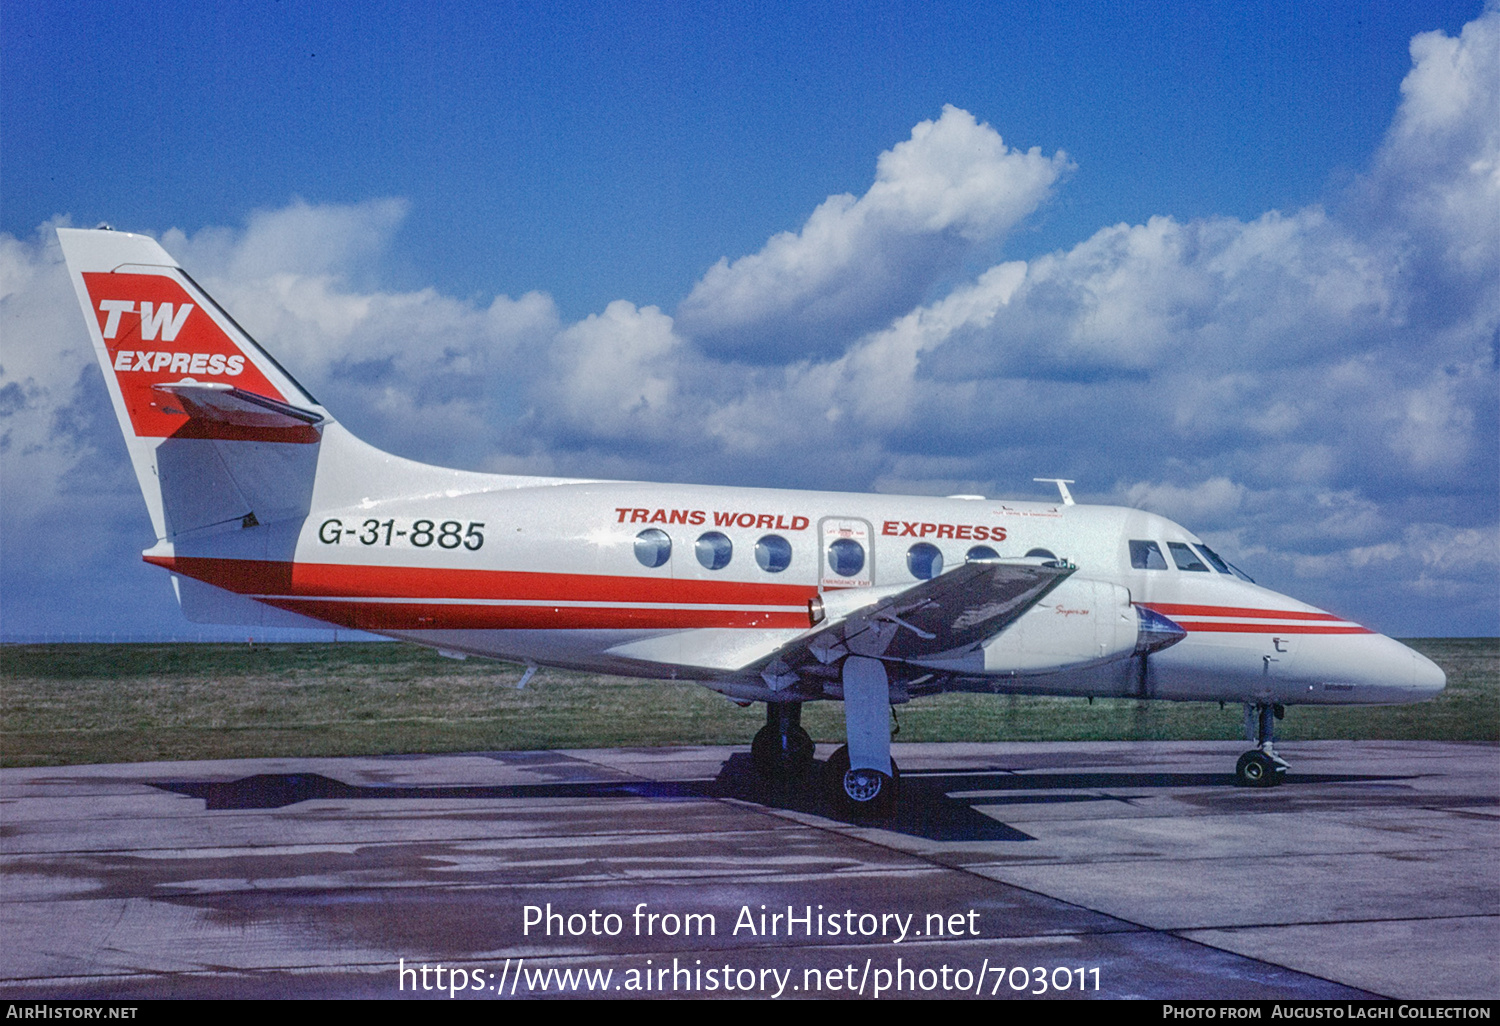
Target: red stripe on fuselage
[(417, 616), (1269, 628), (1174, 610), (307, 587), (242, 576)]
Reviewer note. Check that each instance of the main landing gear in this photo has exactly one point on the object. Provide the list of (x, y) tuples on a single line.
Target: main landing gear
[(861, 777), (782, 751), (863, 793), (1261, 766)]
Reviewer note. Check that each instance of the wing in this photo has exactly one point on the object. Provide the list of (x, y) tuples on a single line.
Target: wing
[(954, 611)]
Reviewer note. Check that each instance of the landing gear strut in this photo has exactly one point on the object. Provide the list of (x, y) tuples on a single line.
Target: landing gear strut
[(1261, 766), (782, 750), (862, 776)]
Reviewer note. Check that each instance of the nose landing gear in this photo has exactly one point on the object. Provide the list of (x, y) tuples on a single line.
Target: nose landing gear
[(1261, 766)]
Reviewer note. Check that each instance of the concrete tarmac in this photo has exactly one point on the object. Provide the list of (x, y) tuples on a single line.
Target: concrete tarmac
[(1120, 870)]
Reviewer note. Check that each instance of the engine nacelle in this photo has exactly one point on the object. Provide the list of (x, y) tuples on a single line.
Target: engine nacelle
[(837, 604), (1080, 623)]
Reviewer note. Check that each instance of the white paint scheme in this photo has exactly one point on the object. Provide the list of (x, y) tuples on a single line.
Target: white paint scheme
[(556, 580)]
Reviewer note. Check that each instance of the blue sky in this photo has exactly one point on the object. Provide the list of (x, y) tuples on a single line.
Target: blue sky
[(1248, 278), (615, 151)]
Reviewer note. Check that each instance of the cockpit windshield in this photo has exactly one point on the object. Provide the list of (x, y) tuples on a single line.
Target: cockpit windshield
[(1146, 554), (1185, 558), (1223, 565)]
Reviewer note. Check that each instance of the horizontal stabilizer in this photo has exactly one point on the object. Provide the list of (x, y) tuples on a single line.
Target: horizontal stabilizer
[(225, 404)]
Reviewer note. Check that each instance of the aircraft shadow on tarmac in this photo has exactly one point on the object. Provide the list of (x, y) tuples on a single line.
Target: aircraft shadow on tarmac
[(927, 809)]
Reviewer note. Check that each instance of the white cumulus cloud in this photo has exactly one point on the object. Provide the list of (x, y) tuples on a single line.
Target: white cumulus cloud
[(856, 263)]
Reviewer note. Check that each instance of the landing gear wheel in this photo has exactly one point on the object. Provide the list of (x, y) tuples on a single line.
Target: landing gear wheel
[(781, 757), (1257, 769), (864, 793)]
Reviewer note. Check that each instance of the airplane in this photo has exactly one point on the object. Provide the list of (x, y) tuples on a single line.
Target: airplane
[(267, 511)]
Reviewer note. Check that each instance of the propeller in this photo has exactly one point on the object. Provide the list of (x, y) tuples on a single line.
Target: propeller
[(1154, 632)]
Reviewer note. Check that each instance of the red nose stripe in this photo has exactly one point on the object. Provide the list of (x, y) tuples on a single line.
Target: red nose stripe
[(1175, 610), (1271, 628)]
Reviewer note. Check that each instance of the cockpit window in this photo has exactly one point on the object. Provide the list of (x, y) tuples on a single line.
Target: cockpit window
[(1223, 565), (1241, 574), (1213, 557), (1146, 555), (1185, 558)]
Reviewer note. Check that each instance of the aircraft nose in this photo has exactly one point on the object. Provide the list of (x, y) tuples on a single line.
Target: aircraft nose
[(1427, 675), (1379, 670)]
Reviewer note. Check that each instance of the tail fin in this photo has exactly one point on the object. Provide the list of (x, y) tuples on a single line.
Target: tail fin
[(212, 422), (226, 446), (221, 437)]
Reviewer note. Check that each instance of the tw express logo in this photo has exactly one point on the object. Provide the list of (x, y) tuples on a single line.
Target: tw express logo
[(165, 320), (179, 363)]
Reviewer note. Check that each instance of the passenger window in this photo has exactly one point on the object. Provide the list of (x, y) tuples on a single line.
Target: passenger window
[(846, 557), (979, 553), (924, 560), (1146, 555), (773, 553), (1040, 554), (1186, 558), (713, 550), (653, 547)]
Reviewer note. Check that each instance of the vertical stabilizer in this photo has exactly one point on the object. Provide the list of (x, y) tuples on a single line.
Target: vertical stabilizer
[(219, 434), (230, 452)]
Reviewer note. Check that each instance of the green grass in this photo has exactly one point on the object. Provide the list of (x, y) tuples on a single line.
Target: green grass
[(67, 704)]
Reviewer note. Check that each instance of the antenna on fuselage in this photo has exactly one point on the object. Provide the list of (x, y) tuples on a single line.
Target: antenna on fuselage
[(1062, 486)]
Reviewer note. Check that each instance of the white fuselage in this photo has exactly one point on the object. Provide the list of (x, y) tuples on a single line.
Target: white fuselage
[(556, 572)]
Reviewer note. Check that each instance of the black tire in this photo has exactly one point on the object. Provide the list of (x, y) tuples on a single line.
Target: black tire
[(776, 761), (1257, 769), (864, 794)]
